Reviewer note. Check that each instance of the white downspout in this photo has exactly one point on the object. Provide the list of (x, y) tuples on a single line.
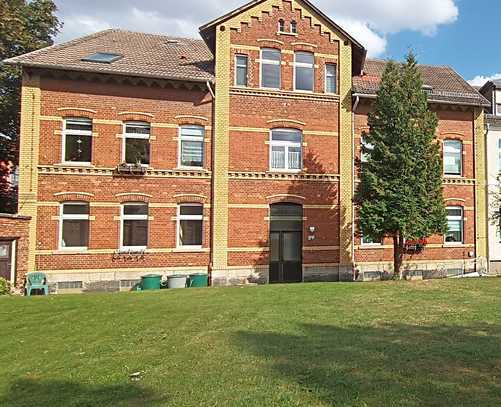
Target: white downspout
[(355, 106)]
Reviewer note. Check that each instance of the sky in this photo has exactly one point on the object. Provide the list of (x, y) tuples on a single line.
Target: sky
[(457, 33)]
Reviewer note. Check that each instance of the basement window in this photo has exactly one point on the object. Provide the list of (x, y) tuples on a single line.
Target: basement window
[(102, 57)]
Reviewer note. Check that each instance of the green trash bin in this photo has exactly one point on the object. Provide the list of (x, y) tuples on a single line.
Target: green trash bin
[(151, 282), (199, 280)]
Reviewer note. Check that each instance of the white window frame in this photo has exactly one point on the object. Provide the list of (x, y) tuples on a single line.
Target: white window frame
[(366, 244), (462, 220), (498, 109), (280, 23), (327, 76), (263, 62), (293, 23), (285, 144), (126, 136), (499, 155), (460, 157), (303, 65), (63, 217), (180, 218), (236, 70), (85, 133), (124, 217), (182, 138)]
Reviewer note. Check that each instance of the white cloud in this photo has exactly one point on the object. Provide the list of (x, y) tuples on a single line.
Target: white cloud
[(370, 21), (480, 80)]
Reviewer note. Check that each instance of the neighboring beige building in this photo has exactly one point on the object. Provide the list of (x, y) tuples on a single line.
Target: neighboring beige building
[(492, 91)]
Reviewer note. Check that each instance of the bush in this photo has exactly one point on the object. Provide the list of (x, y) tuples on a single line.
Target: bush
[(4, 286)]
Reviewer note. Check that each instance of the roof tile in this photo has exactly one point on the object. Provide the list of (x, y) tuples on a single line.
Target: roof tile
[(145, 55), (446, 85)]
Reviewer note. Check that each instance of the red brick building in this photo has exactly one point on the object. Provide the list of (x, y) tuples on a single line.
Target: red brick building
[(232, 155)]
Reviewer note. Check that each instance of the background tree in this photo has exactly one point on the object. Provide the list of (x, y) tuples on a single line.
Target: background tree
[(25, 26), (400, 194)]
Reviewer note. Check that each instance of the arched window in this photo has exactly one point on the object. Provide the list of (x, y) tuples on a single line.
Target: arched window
[(293, 27)]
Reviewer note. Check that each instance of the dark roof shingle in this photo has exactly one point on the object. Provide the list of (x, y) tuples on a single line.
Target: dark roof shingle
[(144, 55), (446, 85)]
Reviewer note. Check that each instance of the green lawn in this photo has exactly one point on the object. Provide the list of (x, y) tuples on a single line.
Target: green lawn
[(382, 344)]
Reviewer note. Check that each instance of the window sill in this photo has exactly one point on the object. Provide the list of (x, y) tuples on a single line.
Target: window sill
[(189, 250), (287, 33), (452, 245), (284, 171), (181, 168), (371, 246), (74, 164), (128, 250), (73, 250)]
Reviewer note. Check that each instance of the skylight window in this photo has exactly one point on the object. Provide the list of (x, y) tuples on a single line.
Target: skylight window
[(103, 57)]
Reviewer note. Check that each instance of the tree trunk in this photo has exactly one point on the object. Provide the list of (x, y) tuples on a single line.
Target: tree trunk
[(398, 255)]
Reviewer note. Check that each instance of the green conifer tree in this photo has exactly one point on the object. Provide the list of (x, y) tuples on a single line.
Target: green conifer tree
[(400, 194)]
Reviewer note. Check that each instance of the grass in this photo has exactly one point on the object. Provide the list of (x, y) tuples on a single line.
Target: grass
[(383, 344)]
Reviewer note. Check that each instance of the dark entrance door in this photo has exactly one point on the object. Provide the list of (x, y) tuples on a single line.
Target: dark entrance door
[(286, 243), (5, 259)]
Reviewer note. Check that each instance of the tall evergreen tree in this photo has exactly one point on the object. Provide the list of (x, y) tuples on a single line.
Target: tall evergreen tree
[(400, 194), (25, 26)]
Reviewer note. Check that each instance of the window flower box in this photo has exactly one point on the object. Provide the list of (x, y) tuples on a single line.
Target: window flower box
[(132, 169)]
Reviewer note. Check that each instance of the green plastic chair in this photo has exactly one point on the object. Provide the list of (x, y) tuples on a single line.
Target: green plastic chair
[(36, 281)]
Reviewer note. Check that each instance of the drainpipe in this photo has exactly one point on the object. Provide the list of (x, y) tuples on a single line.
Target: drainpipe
[(211, 91), (354, 109), (209, 86)]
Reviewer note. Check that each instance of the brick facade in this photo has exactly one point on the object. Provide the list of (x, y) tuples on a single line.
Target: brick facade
[(236, 185), (15, 228)]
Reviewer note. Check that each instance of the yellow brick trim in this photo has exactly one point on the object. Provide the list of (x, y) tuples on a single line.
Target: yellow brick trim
[(63, 109), (428, 246), (221, 147), (51, 118), (28, 158), (326, 56), (320, 248), (481, 227), (116, 251), (136, 113), (189, 116), (346, 155), (248, 249), (126, 270)]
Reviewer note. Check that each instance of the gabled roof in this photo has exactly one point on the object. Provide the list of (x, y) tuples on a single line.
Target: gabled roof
[(144, 55), (496, 83), (359, 52), (444, 84)]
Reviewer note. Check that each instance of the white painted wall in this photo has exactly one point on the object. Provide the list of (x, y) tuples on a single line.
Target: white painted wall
[(493, 165)]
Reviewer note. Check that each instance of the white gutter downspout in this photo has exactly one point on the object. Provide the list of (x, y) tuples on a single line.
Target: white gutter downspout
[(354, 109), (210, 89)]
